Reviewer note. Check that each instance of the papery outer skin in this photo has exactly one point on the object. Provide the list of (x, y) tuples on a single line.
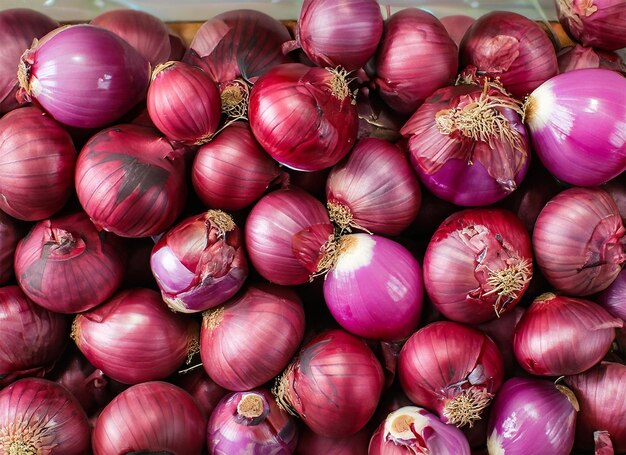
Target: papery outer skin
[(438, 438), (271, 228), (197, 266), (299, 121), (37, 161), (580, 57), (335, 383), (375, 288), (217, 176), (378, 185), (10, 234), (598, 23), (66, 75), (258, 333), (436, 362), (577, 124), (133, 337), (461, 255), (129, 183), (613, 298), (340, 33), (531, 416), (276, 434), (184, 103), (599, 392), (310, 443), (202, 388), (33, 338), (579, 241), (512, 48), (74, 279), (172, 422), (413, 35), (46, 405), (561, 335)]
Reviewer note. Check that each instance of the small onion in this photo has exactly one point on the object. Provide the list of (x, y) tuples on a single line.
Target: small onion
[(532, 416), (251, 422), (579, 241), (152, 417), (39, 416), (10, 235), (580, 334), (598, 23), (613, 298)]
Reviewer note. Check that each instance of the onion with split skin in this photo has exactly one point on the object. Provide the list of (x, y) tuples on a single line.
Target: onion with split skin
[(598, 23)]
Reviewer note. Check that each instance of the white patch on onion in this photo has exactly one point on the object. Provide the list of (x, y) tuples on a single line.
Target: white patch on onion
[(407, 414), (546, 111), (494, 444), (618, 136), (358, 255)]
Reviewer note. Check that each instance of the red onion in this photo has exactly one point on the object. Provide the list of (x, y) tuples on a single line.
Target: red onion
[(33, 338), (38, 416), (251, 422), (451, 369), (143, 31), (310, 443), (251, 339), (65, 265), (10, 235), (133, 337), (579, 241), (202, 388), (285, 235), (411, 430), (129, 182), (598, 23), (84, 76), (374, 288), (184, 103), (200, 263), (152, 417), (305, 118), (333, 385), (37, 159), (339, 32), (478, 264), (613, 298), (374, 189), (413, 35), (576, 123), (580, 334), (456, 26), (219, 179), (468, 144), (532, 416), (600, 392), (579, 57), (18, 28)]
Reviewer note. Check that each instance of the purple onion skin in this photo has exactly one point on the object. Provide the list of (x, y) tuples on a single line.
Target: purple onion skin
[(613, 298)]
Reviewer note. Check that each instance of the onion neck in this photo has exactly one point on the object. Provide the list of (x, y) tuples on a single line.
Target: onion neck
[(334, 247), (282, 391), (252, 409), (569, 394), (467, 407), (161, 67), (341, 215), (221, 221), (25, 438), (235, 96), (212, 318), (401, 428), (507, 283), (339, 83), (63, 244)]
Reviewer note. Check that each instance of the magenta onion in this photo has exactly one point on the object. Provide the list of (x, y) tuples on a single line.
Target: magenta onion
[(38, 416), (413, 35), (456, 25), (33, 338), (478, 264), (374, 189), (37, 160), (333, 384), (184, 103), (468, 144), (512, 48), (19, 27), (579, 241), (200, 262), (532, 416), (84, 76), (217, 174), (451, 369), (599, 391), (251, 422), (152, 417), (285, 233), (580, 333), (374, 287), (251, 339), (613, 298), (576, 123), (65, 265), (133, 337), (305, 118), (411, 430), (598, 23), (143, 31), (10, 235), (202, 388), (129, 181), (579, 57), (311, 443)]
